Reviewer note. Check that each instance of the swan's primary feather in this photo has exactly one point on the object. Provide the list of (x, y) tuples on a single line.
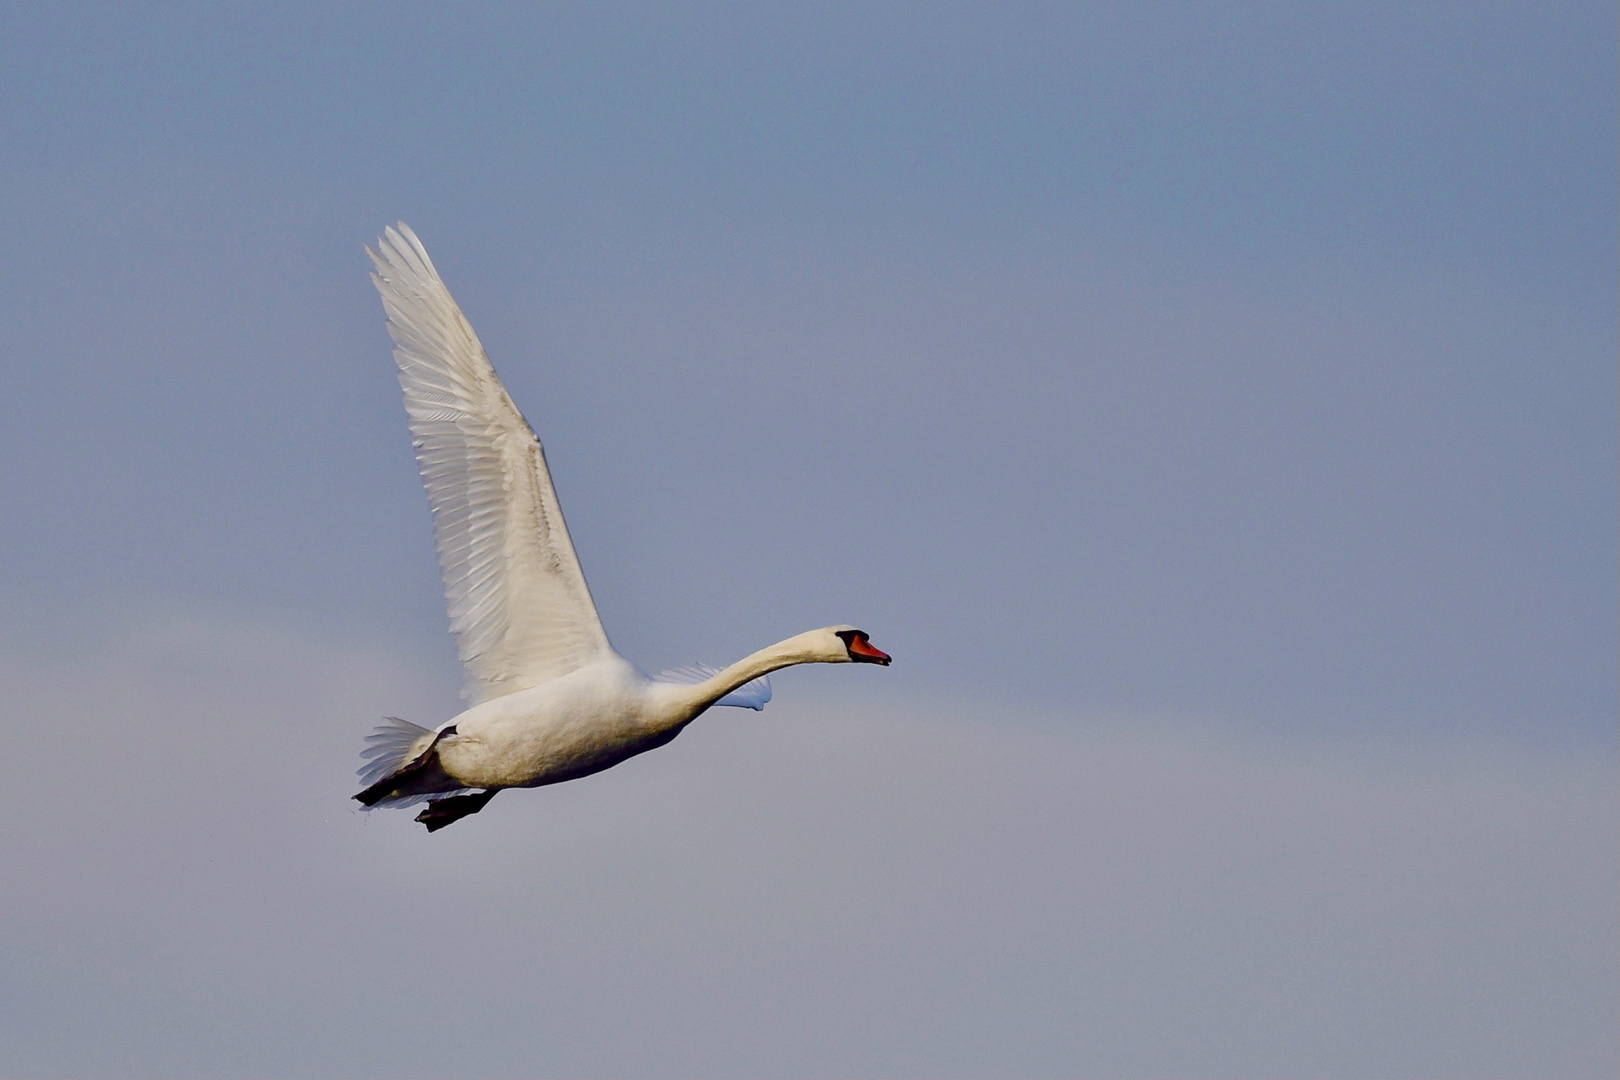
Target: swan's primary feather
[(750, 695), (519, 607)]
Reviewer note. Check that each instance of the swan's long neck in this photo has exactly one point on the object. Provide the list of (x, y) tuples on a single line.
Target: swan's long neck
[(795, 650)]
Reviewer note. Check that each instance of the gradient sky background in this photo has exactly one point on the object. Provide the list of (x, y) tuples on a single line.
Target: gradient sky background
[(1212, 407)]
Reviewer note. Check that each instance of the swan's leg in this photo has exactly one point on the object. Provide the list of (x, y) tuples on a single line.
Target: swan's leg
[(441, 812)]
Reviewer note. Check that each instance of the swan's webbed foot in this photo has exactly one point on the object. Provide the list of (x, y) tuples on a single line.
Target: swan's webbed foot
[(441, 812)]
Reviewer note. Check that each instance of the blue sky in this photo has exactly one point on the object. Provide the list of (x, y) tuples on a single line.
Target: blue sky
[(1236, 377)]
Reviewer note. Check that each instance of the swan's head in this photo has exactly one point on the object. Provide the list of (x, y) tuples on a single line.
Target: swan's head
[(850, 645)]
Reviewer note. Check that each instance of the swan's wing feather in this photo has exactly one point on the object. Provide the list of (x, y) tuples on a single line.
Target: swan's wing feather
[(519, 606), (750, 695)]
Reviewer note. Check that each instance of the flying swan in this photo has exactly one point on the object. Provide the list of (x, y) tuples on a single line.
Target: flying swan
[(549, 700)]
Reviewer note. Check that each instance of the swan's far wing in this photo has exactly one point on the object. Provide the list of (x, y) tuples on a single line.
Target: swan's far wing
[(754, 694), (519, 607)]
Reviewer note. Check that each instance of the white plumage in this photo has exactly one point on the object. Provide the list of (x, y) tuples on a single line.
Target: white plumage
[(751, 695), (549, 699), (519, 608)]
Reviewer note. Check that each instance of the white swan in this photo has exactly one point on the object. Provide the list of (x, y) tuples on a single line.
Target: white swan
[(549, 698)]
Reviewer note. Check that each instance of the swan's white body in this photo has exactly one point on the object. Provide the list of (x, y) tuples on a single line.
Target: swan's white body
[(549, 698), (596, 716)]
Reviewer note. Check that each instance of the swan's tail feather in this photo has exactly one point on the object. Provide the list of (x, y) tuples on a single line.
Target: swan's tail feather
[(750, 695), (390, 747), (398, 769)]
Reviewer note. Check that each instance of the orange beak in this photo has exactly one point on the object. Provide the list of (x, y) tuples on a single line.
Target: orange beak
[(862, 651)]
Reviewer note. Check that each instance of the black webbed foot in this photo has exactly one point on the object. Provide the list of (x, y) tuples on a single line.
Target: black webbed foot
[(441, 812)]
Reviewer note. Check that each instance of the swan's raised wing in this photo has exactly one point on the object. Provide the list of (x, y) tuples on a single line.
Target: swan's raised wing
[(519, 607)]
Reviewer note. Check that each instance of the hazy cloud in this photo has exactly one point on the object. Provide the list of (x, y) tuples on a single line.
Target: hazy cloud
[(820, 890)]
